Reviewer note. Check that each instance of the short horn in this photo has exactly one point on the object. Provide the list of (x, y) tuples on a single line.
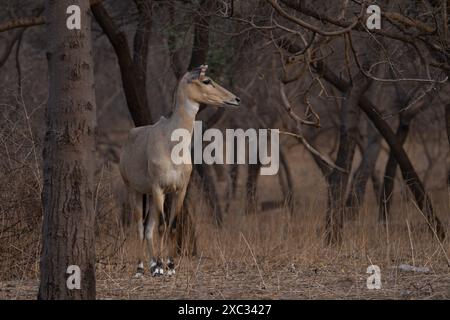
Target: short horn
[(203, 69)]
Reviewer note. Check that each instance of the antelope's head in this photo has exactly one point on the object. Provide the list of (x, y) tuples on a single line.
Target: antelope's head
[(201, 89)]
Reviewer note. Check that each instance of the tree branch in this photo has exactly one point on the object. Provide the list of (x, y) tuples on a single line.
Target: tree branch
[(21, 23), (133, 88), (5, 55), (315, 29)]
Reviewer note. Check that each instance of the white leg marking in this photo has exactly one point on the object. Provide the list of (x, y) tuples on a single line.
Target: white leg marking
[(171, 272), (140, 272)]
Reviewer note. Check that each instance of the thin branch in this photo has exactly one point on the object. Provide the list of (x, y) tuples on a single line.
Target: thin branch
[(289, 109), (407, 21), (314, 151), (21, 23), (300, 121), (369, 75), (4, 57), (277, 7)]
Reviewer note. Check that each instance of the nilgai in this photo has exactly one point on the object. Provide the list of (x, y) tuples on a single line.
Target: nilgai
[(147, 168)]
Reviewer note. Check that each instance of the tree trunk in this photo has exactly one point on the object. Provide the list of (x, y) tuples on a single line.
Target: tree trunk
[(447, 120), (409, 174), (133, 72), (200, 46), (253, 171), (369, 158), (186, 229), (69, 146), (286, 184), (337, 180), (208, 188), (391, 170)]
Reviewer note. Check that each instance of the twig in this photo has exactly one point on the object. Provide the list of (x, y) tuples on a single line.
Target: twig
[(288, 107), (314, 151)]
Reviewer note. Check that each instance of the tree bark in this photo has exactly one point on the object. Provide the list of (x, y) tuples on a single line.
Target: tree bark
[(69, 148), (447, 120)]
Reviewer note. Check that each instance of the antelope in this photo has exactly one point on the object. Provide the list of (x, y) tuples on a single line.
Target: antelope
[(147, 169)]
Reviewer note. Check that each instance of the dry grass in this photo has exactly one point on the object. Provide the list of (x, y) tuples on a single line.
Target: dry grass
[(271, 255), (267, 255)]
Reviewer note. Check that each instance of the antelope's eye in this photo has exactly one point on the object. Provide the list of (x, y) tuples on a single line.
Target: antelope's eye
[(207, 81)]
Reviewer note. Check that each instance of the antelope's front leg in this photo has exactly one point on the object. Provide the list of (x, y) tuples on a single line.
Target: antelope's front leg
[(154, 235), (174, 217), (135, 202)]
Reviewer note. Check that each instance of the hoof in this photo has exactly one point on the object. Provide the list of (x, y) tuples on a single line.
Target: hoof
[(171, 272), (158, 272), (170, 267), (156, 269), (139, 271)]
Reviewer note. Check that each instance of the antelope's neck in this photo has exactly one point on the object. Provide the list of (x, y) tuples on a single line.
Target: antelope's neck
[(185, 112)]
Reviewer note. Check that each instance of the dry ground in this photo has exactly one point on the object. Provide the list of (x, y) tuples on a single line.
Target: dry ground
[(206, 280)]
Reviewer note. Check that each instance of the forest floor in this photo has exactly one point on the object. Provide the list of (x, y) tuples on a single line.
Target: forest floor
[(202, 279), (268, 255)]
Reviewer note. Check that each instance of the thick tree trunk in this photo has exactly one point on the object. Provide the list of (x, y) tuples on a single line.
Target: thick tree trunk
[(69, 146)]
